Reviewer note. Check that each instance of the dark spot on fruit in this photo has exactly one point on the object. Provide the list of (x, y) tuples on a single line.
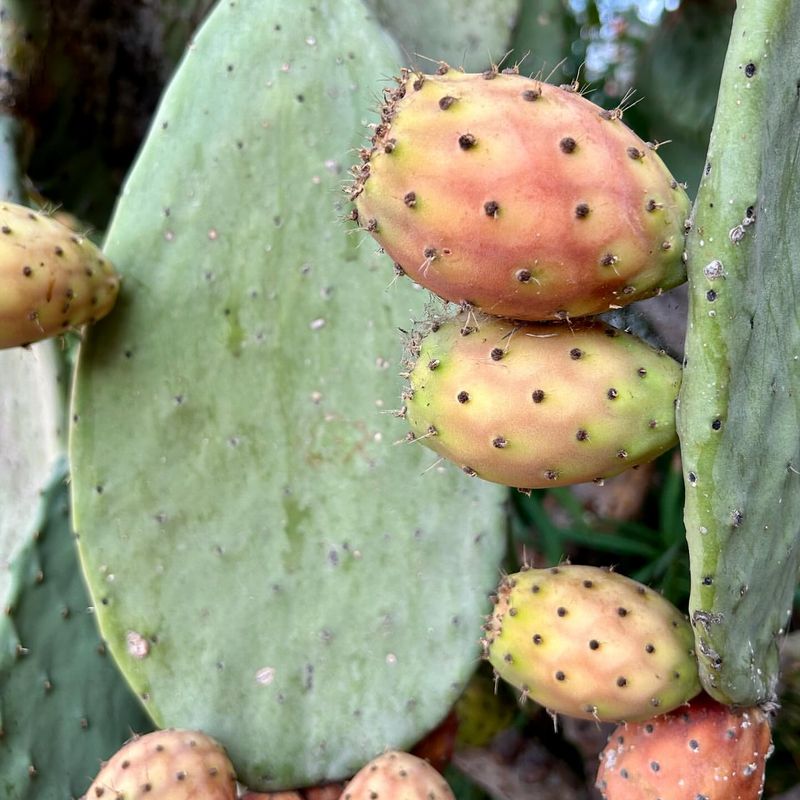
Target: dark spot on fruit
[(622, 453), (469, 471), (609, 259), (655, 766), (537, 396), (523, 275), (588, 584), (623, 773), (492, 208), (562, 315), (641, 372), (622, 681), (462, 397), (652, 424), (499, 442), (694, 745), (635, 153), (582, 436), (651, 205), (466, 141), (575, 353), (612, 393), (582, 210), (446, 101), (508, 658), (410, 199), (629, 290), (554, 570), (750, 70), (567, 145), (496, 353), (561, 611), (551, 474), (623, 612), (531, 94), (560, 676), (429, 252), (418, 83), (650, 648), (648, 728), (537, 639), (594, 644), (535, 588), (27, 271)]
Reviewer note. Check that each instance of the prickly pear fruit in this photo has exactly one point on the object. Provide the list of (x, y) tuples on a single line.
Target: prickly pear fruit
[(166, 765), (705, 751), (590, 643), (535, 405), (518, 197), (51, 279), (397, 776)]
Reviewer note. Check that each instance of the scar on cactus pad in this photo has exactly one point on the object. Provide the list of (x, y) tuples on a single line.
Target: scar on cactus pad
[(518, 197), (533, 405), (590, 643), (51, 279)]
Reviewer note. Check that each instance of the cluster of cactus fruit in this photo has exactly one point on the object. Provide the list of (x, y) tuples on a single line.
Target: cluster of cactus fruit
[(528, 206), (533, 211)]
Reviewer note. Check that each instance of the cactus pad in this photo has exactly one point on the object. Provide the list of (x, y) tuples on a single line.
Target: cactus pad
[(272, 550)]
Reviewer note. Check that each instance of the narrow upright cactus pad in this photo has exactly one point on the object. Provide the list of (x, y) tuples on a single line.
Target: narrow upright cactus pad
[(51, 279), (590, 643), (739, 411), (519, 197), (535, 405), (63, 705), (267, 565)]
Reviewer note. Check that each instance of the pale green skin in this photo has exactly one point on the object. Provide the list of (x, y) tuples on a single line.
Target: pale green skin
[(285, 570), (739, 408)]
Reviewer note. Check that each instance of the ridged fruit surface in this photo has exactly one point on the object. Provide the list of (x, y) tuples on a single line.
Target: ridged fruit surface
[(397, 776), (703, 751), (590, 643), (535, 405), (522, 198), (166, 765), (51, 279)]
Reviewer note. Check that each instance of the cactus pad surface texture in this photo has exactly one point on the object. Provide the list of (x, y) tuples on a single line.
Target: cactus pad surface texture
[(267, 566), (739, 406), (63, 704)]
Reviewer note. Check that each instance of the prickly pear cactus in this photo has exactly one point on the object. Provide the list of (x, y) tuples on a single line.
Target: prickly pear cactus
[(591, 643), (63, 705), (468, 33), (537, 405), (251, 534), (31, 429), (739, 409), (519, 197)]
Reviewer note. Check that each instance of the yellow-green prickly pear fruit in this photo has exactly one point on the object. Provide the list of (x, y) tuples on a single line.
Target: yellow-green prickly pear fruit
[(590, 643), (51, 278)]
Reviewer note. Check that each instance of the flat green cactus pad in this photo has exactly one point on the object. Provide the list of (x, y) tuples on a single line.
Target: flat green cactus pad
[(30, 441), (63, 705), (267, 564)]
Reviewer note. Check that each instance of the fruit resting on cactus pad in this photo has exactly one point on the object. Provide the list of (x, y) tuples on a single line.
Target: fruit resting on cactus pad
[(589, 643), (535, 405), (518, 197), (703, 751)]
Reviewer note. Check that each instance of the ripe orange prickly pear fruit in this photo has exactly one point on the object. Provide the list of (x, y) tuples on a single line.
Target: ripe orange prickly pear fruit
[(540, 404), (518, 197), (166, 765), (704, 751), (590, 643), (397, 776), (51, 279)]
